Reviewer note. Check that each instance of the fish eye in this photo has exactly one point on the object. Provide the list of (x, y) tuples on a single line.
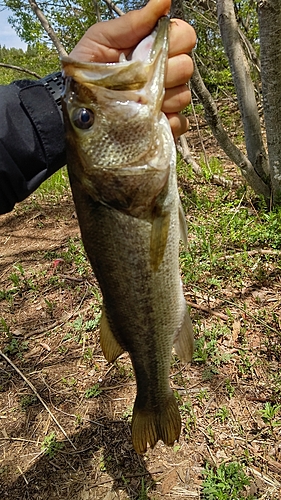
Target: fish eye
[(83, 118)]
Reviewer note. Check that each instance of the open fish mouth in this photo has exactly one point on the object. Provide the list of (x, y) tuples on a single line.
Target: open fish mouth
[(127, 74)]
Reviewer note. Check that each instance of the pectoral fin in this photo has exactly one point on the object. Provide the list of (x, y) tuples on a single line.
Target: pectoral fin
[(158, 239), (110, 347), (184, 341)]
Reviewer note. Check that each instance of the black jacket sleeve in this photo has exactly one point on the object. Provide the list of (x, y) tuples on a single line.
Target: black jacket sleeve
[(32, 145)]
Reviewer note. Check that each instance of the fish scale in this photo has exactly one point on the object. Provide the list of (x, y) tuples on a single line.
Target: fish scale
[(122, 169)]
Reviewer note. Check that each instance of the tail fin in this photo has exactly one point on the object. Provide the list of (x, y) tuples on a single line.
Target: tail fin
[(149, 427)]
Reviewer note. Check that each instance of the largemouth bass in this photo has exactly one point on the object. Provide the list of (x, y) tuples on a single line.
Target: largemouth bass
[(122, 169)]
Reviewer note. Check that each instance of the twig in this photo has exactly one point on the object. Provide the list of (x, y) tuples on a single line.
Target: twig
[(47, 27), (38, 396), (57, 323), (18, 68), (97, 10), (266, 479), (26, 482), (199, 134), (251, 252), (187, 157), (185, 152), (114, 7), (208, 310), (8, 438)]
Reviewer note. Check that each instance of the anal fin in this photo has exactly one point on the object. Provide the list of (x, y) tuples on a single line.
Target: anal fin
[(110, 347), (148, 427)]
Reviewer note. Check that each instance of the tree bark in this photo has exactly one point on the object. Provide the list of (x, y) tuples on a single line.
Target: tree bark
[(269, 13), (244, 88), (114, 7)]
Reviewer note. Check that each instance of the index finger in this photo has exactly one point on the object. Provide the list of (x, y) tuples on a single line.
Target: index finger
[(182, 38)]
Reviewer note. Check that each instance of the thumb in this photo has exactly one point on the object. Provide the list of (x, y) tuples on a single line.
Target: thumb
[(105, 41), (144, 20)]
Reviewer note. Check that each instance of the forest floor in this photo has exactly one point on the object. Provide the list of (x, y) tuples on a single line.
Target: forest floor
[(229, 396)]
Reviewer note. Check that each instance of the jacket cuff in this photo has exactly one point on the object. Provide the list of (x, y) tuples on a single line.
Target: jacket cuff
[(46, 117)]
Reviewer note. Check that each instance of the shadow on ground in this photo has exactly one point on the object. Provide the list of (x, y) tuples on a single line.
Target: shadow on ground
[(104, 461)]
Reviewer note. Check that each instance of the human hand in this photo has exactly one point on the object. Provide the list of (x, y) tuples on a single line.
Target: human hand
[(105, 41)]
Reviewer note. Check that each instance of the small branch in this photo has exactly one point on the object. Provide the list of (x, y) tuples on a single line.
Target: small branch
[(18, 68), (222, 316), (114, 7), (47, 27), (97, 10), (187, 157), (260, 251), (199, 133), (22, 474), (38, 396), (251, 51)]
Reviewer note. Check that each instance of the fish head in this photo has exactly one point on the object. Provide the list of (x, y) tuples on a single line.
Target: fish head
[(113, 119)]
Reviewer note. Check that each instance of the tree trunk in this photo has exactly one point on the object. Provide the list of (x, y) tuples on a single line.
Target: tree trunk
[(270, 42), (244, 88), (213, 120)]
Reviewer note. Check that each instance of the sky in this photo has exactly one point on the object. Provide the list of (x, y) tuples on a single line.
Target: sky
[(8, 36)]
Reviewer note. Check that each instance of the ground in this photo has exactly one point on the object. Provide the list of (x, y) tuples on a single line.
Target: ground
[(50, 307)]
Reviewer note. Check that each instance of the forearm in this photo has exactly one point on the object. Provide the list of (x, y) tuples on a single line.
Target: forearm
[(31, 140)]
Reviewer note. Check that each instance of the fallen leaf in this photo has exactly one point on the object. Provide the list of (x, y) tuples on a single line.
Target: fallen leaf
[(236, 327), (169, 482)]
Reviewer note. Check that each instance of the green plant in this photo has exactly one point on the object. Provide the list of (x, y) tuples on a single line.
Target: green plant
[(206, 347), (202, 394), (222, 414), (93, 392), (20, 280), (204, 350), (88, 355), (4, 327), (143, 494), (15, 346), (28, 400), (245, 367), (210, 435), (55, 187), (269, 414), (128, 413), (50, 445), (78, 420), (225, 482), (230, 389), (70, 382), (50, 306), (188, 417)]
